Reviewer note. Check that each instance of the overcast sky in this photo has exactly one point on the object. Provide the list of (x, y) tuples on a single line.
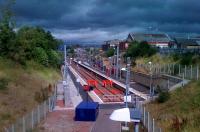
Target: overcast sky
[(98, 20)]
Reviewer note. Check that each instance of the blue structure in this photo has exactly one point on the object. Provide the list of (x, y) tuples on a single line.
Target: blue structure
[(136, 117), (87, 111)]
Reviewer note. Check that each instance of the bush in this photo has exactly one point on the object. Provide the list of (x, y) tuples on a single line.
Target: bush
[(3, 83), (54, 58), (110, 52), (142, 49), (40, 56), (163, 96)]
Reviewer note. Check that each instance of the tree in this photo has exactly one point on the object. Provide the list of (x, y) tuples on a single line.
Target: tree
[(110, 52), (141, 49), (29, 38), (54, 58), (7, 35), (40, 56)]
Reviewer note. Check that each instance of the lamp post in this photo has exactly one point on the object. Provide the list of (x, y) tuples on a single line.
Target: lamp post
[(150, 92), (127, 79), (65, 59), (117, 65), (127, 69)]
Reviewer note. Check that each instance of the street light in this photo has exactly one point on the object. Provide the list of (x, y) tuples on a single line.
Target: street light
[(150, 63), (127, 69), (117, 65)]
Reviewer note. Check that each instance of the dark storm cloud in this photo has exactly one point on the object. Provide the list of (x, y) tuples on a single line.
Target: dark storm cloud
[(105, 19)]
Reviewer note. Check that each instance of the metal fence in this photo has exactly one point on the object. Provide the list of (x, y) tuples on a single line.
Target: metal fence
[(190, 72), (29, 121), (148, 121)]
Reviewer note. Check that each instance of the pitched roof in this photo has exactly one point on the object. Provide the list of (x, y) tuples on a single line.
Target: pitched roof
[(151, 37), (184, 41)]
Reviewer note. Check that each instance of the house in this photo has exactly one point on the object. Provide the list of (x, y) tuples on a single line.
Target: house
[(123, 45), (110, 43), (161, 40), (187, 43)]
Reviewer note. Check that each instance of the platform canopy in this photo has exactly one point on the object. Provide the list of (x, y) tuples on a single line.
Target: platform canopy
[(126, 115)]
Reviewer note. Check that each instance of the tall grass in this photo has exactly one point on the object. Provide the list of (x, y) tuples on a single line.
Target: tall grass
[(184, 104)]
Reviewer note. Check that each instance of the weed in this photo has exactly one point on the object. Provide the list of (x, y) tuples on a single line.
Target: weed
[(163, 96), (3, 83)]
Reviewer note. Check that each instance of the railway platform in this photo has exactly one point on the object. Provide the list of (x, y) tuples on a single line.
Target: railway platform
[(137, 93)]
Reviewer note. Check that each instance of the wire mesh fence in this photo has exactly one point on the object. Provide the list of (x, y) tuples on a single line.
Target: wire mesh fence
[(30, 120), (190, 72), (148, 121)]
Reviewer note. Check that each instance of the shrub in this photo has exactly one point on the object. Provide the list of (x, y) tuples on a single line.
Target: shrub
[(142, 49), (40, 56), (163, 96), (54, 58), (3, 83), (110, 52)]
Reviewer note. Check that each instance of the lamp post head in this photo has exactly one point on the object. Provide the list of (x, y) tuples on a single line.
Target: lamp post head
[(150, 62), (123, 69)]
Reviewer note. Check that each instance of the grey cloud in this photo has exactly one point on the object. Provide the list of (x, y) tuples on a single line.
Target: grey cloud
[(108, 17)]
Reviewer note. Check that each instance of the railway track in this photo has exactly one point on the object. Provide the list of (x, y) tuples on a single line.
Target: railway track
[(110, 94)]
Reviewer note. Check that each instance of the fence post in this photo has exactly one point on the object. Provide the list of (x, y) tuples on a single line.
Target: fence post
[(179, 70), (32, 116), (148, 123), (38, 110), (144, 116), (49, 105), (23, 124), (164, 69), (191, 72), (185, 71), (197, 72), (44, 109), (168, 69), (183, 80), (13, 128), (153, 128)]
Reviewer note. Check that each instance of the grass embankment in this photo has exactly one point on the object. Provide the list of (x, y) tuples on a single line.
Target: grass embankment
[(155, 59), (23, 82), (181, 112)]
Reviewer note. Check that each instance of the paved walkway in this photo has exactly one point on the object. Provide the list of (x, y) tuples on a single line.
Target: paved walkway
[(63, 121), (70, 99), (104, 124)]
